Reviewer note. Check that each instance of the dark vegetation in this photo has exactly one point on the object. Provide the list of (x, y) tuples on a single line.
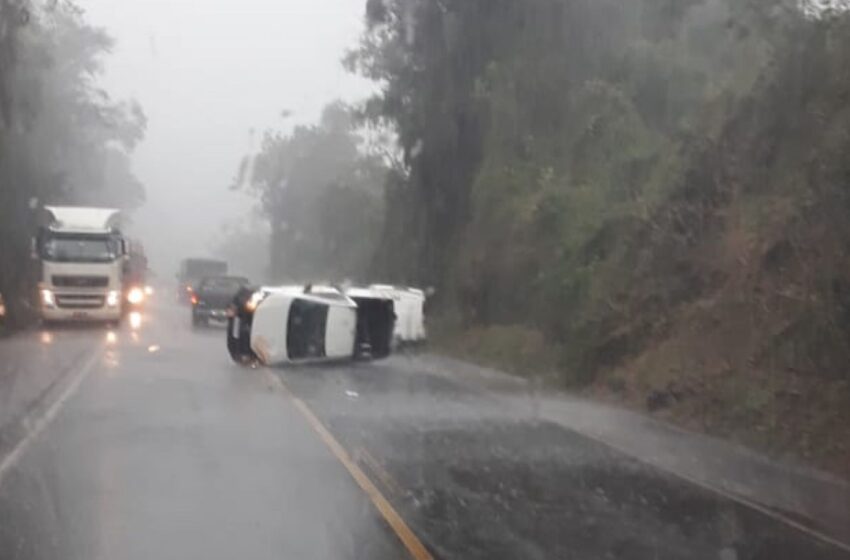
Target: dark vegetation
[(62, 139), (644, 199), (320, 190)]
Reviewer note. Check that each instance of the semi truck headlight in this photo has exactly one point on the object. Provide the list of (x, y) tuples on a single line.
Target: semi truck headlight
[(48, 299), (136, 295), (113, 298)]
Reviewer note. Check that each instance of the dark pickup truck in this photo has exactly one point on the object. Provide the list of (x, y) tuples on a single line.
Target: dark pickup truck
[(192, 271), (212, 297)]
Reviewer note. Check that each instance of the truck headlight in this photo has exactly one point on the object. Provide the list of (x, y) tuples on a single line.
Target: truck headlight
[(113, 298), (48, 299), (136, 295)]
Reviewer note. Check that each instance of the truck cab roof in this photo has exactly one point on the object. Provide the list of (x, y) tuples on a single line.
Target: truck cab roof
[(83, 219)]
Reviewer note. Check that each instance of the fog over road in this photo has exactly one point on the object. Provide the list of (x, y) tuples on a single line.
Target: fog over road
[(157, 446), (211, 77)]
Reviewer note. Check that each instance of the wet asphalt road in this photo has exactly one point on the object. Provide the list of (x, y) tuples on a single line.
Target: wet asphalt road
[(167, 450)]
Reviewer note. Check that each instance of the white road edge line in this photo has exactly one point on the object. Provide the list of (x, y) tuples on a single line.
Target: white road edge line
[(729, 495), (8, 462)]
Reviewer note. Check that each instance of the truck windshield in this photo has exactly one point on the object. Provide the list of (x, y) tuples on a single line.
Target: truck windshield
[(222, 284), (195, 269), (80, 249)]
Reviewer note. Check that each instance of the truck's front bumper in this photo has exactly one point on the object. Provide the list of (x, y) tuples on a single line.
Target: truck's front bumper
[(83, 315), (210, 313)]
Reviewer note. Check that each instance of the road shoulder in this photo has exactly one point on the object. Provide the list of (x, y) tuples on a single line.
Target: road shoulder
[(34, 367), (816, 501)]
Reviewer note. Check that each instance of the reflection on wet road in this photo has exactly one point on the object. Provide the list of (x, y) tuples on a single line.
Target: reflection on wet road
[(167, 450)]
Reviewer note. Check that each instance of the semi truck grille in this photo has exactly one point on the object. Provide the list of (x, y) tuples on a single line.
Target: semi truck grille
[(79, 301), (80, 281)]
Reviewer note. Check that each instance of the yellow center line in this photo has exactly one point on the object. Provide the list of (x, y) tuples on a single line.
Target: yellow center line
[(379, 471), (394, 520)]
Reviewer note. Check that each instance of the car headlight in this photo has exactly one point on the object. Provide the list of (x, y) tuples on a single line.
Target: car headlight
[(136, 295), (254, 301), (113, 298), (48, 299)]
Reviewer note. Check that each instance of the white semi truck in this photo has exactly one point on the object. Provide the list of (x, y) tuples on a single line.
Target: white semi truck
[(82, 253)]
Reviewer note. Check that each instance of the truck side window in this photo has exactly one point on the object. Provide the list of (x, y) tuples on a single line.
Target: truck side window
[(305, 332)]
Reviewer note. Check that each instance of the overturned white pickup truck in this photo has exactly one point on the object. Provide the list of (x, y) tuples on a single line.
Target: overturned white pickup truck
[(302, 324), (409, 305)]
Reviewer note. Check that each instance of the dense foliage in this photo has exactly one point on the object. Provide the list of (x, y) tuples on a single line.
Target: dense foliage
[(62, 139), (534, 130), (654, 187), (319, 188)]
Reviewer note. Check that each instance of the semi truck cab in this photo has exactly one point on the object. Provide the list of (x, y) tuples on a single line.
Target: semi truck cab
[(82, 253)]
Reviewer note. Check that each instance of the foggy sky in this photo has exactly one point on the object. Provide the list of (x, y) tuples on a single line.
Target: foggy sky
[(207, 73)]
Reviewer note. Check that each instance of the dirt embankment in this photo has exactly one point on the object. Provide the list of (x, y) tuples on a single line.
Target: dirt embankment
[(758, 348), (761, 357)]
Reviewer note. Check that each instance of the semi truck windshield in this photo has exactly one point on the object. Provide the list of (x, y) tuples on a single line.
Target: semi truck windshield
[(80, 249)]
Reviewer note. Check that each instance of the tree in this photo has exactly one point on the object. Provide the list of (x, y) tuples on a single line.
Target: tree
[(321, 194), (539, 136), (62, 139)]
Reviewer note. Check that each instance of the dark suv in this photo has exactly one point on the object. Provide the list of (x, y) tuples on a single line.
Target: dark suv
[(212, 297), (193, 271)]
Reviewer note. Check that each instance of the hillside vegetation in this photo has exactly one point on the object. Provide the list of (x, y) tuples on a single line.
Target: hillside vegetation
[(647, 200)]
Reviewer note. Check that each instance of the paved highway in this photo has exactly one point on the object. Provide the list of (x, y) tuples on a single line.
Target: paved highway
[(147, 442)]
